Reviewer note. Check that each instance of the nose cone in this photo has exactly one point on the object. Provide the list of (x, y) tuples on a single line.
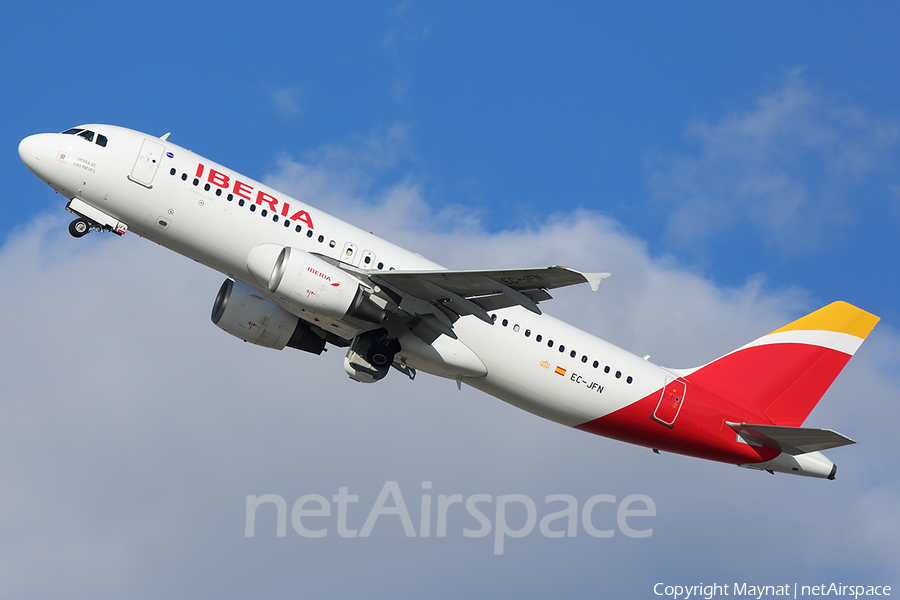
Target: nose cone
[(31, 151)]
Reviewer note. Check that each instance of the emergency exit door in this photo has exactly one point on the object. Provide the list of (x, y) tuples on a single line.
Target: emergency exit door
[(670, 402)]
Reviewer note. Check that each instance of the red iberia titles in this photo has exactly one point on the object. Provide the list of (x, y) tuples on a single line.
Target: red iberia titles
[(246, 191), (319, 274)]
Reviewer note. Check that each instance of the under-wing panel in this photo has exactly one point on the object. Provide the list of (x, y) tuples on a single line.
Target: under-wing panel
[(482, 283), (442, 297), (475, 292)]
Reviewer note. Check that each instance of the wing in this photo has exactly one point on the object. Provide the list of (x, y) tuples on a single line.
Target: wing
[(439, 298)]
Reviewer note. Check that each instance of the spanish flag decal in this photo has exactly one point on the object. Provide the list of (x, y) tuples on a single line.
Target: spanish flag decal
[(560, 371)]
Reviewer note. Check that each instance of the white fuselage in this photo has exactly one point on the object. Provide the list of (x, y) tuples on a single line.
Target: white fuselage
[(181, 201), (302, 278)]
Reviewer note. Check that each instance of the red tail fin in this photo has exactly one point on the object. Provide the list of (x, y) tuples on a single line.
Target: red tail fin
[(785, 373)]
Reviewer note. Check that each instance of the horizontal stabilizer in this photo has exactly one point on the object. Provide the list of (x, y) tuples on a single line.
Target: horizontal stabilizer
[(790, 440)]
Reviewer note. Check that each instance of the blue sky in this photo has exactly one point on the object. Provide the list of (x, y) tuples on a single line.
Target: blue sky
[(732, 163), (514, 112)]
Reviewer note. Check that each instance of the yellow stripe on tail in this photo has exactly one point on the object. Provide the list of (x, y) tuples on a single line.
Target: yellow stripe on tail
[(839, 317)]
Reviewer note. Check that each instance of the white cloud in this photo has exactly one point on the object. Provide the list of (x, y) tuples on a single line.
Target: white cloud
[(405, 28), (336, 174), (793, 169), (132, 429), (286, 100)]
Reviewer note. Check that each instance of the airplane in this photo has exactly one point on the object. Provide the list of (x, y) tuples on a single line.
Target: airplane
[(298, 277)]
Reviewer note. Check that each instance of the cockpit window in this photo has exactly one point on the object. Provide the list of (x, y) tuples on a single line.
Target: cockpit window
[(88, 135)]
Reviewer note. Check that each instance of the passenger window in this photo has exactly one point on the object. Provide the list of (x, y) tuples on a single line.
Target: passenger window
[(88, 135), (527, 333), (101, 140), (505, 322), (538, 338)]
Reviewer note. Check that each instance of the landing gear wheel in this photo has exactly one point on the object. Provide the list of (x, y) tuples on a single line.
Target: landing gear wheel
[(381, 358), (79, 228), (381, 352)]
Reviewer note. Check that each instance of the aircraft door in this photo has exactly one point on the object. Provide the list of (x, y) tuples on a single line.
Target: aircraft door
[(350, 255), (670, 402), (147, 163)]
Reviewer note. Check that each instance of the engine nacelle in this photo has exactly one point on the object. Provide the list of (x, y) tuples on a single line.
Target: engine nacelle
[(310, 284), (245, 313)]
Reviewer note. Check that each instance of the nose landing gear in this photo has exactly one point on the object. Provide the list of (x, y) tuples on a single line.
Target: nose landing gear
[(80, 227), (91, 219)]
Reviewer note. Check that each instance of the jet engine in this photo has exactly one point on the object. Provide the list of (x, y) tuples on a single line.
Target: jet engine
[(309, 284), (245, 313)]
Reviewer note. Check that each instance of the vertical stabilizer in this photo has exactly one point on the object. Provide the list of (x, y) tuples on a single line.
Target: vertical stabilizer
[(785, 373)]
